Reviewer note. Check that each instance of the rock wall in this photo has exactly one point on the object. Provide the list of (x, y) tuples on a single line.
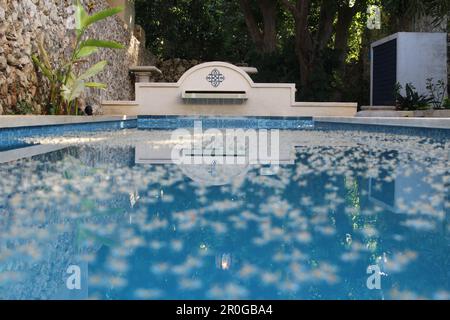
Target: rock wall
[(173, 69), (23, 22)]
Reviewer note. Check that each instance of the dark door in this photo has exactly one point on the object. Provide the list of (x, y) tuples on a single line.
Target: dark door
[(384, 73)]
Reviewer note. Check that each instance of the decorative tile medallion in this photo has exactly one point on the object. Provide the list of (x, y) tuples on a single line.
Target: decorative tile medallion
[(215, 78)]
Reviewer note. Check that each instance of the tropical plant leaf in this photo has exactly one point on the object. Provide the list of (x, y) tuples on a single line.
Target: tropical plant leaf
[(47, 73), (73, 91), (85, 51), (95, 85), (94, 70), (44, 54), (101, 15), (102, 44), (70, 78), (80, 17)]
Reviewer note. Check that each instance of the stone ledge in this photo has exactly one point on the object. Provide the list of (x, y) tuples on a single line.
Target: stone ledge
[(385, 114), (377, 108), (145, 69), (28, 152), (325, 105), (432, 123), (120, 103), (410, 114), (120, 108), (36, 121), (250, 70), (144, 73)]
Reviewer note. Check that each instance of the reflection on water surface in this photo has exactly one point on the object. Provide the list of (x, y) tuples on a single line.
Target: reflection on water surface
[(347, 201)]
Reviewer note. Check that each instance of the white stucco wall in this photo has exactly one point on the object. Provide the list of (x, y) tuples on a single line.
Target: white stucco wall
[(264, 99), (420, 55), (166, 98)]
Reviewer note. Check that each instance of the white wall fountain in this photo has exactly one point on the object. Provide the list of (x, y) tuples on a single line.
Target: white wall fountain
[(222, 89)]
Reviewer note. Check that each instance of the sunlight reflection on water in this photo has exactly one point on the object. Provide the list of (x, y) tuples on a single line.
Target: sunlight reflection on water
[(149, 231)]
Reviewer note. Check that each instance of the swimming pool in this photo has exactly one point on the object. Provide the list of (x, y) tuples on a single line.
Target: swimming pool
[(350, 213)]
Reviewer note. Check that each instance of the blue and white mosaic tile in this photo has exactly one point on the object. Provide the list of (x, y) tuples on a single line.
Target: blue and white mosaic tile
[(175, 122), (12, 138)]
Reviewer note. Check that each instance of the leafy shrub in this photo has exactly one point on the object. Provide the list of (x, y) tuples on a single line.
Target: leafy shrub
[(446, 104), (23, 107), (437, 92), (412, 100), (66, 85)]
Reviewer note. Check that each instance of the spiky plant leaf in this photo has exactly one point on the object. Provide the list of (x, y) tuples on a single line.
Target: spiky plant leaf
[(45, 71), (101, 16), (85, 52), (94, 70), (95, 85), (80, 17), (101, 44), (72, 91)]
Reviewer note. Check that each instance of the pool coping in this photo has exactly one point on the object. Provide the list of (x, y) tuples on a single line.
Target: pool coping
[(9, 122), (426, 123), (28, 152)]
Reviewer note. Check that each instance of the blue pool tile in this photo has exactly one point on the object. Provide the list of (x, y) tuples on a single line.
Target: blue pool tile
[(174, 122), (435, 133), (13, 136)]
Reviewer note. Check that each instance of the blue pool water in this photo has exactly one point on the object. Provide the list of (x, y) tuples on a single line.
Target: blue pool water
[(346, 201)]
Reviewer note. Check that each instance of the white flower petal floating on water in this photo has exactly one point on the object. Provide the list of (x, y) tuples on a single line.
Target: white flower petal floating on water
[(420, 224), (147, 294)]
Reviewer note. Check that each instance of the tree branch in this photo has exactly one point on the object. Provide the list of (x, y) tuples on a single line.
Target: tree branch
[(255, 31), (344, 21), (325, 29), (290, 7), (269, 12)]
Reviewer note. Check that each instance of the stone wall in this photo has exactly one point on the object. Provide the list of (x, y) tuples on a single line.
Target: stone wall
[(23, 22), (173, 69)]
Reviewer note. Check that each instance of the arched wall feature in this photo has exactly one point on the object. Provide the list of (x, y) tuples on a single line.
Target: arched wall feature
[(234, 78), (221, 89)]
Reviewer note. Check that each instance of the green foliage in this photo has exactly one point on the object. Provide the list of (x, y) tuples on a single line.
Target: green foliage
[(407, 9), (209, 30), (66, 82), (194, 29), (281, 65), (412, 100), (446, 104), (437, 92), (23, 108)]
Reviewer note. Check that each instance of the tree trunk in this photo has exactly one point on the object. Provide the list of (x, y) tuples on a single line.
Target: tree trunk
[(309, 49), (303, 41), (252, 25), (269, 13), (325, 30), (264, 39), (345, 19)]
